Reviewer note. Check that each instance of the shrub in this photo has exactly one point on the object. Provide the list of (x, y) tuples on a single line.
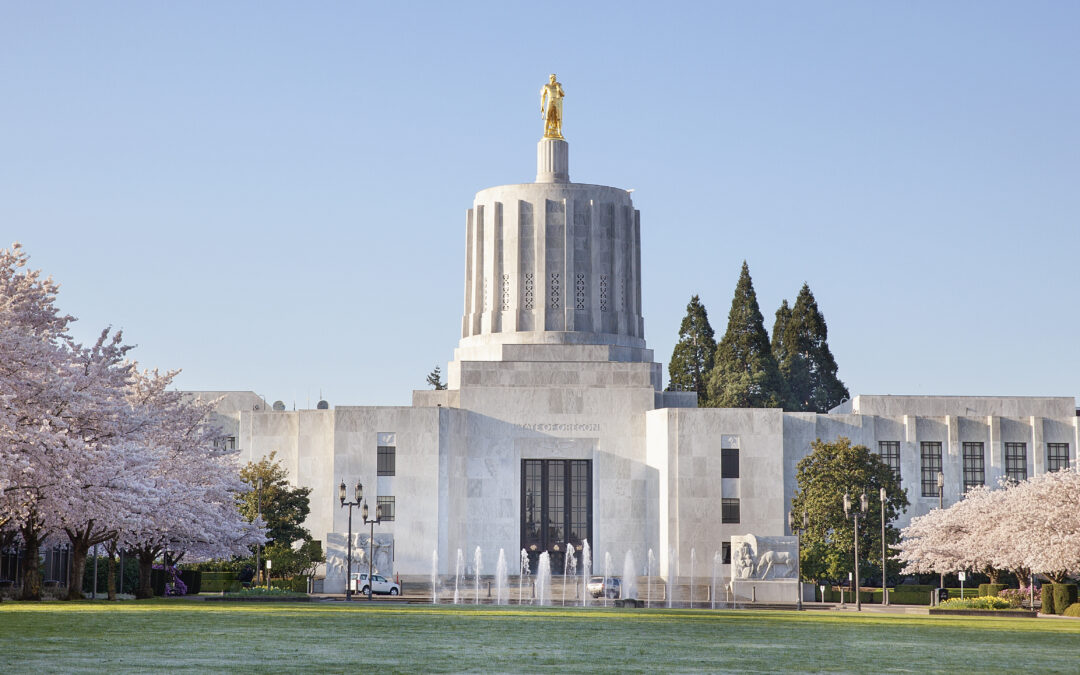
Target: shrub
[(994, 589), (1048, 599), (983, 602), (982, 589), (193, 580), (1072, 610), (217, 582), (1016, 596), (1064, 597), (295, 584)]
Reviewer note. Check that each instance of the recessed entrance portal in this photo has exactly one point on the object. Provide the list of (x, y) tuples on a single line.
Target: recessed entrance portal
[(556, 509)]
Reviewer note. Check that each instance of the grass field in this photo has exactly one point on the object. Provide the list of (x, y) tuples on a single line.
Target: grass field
[(170, 636)]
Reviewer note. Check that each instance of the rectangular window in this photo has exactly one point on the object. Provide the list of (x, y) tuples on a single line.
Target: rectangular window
[(890, 455), (1057, 456), (974, 465), (386, 504), (729, 510), (931, 467), (725, 552), (387, 460), (1016, 461), (729, 463)]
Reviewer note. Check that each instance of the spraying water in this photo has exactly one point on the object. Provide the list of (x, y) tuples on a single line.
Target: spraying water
[(524, 573), (673, 566), (569, 569), (693, 561), (459, 572), (718, 559), (629, 582), (479, 563), (607, 574), (648, 579), (586, 570), (435, 577), (543, 579), (502, 586)]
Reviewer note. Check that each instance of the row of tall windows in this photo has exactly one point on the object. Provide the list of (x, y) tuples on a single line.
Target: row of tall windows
[(974, 462), (386, 465)]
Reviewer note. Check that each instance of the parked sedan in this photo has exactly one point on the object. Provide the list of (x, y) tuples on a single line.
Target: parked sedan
[(607, 586), (380, 585)]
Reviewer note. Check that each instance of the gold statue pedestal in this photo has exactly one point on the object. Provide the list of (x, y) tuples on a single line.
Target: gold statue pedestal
[(552, 161)]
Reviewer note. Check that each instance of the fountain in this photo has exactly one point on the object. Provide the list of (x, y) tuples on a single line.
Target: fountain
[(648, 579), (524, 573), (673, 566), (478, 562), (502, 586), (459, 572), (435, 577), (693, 561), (629, 573), (586, 570), (569, 569), (607, 574), (543, 579), (717, 561)]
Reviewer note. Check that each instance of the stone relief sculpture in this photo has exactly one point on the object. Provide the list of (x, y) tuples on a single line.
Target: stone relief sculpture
[(764, 558), (551, 96), (383, 554)]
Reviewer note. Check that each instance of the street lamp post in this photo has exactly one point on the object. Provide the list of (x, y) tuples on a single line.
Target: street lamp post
[(258, 547), (855, 516), (798, 551), (371, 544), (358, 494), (941, 505), (884, 586)]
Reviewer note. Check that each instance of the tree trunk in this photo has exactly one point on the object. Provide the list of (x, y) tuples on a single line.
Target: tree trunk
[(993, 574), (112, 572), (79, 550), (31, 589), (146, 565)]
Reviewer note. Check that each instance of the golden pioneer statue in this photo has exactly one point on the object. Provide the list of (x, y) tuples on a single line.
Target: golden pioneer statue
[(551, 96)]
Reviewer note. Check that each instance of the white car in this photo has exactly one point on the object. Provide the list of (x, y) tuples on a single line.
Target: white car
[(380, 585)]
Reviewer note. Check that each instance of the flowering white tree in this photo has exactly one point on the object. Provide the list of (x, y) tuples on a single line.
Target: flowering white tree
[(93, 450), (1031, 526)]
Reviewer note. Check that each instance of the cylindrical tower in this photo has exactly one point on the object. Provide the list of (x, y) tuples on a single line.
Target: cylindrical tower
[(552, 262)]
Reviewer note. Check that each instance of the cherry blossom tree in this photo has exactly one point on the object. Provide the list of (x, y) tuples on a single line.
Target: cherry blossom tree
[(1028, 527)]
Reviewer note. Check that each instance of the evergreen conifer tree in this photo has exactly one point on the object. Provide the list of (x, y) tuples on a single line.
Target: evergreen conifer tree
[(808, 366), (745, 374), (782, 316), (692, 358)]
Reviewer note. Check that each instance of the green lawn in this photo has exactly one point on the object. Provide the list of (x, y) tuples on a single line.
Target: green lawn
[(169, 636)]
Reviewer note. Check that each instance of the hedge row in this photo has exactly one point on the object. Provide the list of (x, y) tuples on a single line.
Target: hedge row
[(1057, 598), (991, 589), (217, 582), (297, 584)]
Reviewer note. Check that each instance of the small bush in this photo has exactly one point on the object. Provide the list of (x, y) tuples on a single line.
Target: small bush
[(217, 582), (1047, 595), (983, 602), (1016, 596), (1072, 610), (1064, 597)]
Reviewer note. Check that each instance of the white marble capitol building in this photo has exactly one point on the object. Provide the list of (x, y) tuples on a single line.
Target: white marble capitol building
[(554, 427)]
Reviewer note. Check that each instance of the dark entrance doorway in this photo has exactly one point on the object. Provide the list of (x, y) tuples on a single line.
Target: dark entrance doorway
[(556, 509)]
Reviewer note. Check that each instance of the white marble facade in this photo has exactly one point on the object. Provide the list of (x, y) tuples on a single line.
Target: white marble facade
[(553, 364)]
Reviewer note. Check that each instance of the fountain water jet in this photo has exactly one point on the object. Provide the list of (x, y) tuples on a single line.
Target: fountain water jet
[(459, 572), (569, 569), (586, 570), (435, 577), (607, 574), (648, 578), (629, 582), (543, 579), (673, 566), (523, 573), (717, 561), (693, 561), (502, 586), (478, 562)]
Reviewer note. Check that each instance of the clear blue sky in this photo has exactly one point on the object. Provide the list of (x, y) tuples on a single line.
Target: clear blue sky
[(272, 196)]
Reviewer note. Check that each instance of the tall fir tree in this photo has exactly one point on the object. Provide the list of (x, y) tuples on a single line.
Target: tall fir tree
[(692, 358), (782, 316), (745, 374), (807, 365)]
